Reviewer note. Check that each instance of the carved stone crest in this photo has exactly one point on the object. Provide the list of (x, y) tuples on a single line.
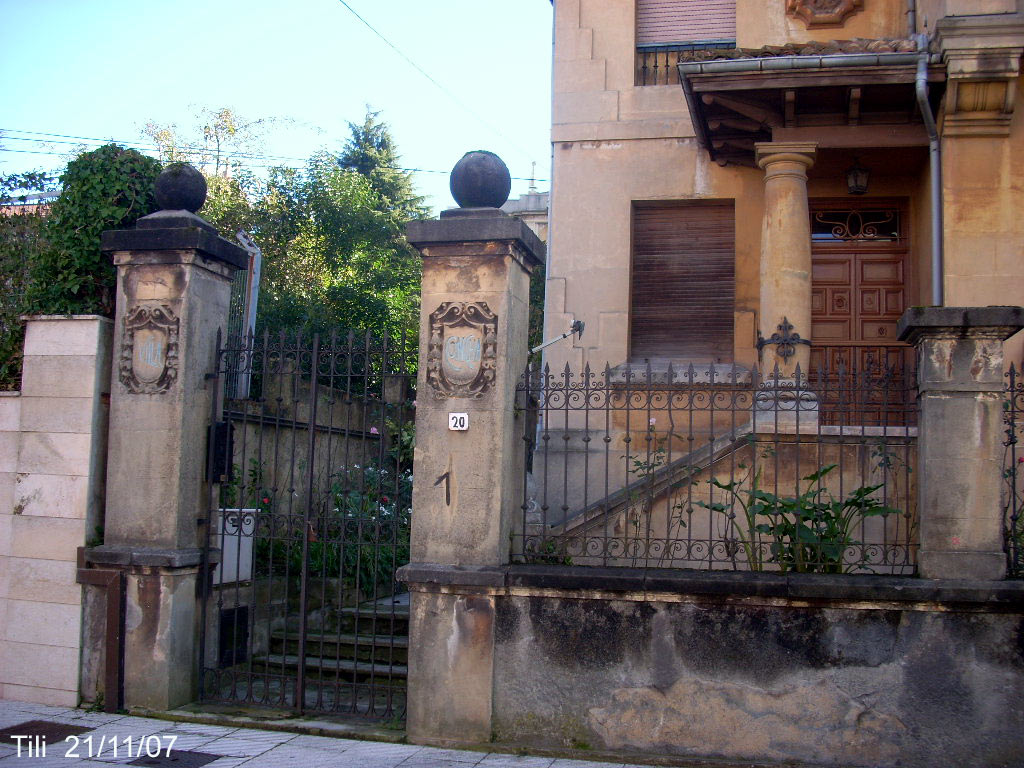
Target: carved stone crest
[(149, 350), (462, 349), (819, 13)]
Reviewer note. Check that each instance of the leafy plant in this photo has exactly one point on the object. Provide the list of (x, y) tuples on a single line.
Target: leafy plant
[(21, 242), (107, 188), (809, 532)]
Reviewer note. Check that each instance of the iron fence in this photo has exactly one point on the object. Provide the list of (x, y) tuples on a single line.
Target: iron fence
[(1013, 470), (301, 608), (720, 467)]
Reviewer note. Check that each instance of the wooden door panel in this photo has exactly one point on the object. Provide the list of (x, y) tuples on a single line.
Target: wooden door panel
[(858, 296), (878, 272), (831, 271)]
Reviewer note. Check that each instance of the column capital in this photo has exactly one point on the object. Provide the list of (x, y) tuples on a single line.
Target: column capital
[(771, 152)]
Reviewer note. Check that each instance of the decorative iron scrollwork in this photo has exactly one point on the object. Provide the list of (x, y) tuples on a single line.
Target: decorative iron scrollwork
[(149, 350), (859, 225), (463, 349), (784, 339)]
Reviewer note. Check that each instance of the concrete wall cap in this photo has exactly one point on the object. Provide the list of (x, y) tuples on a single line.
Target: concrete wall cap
[(469, 228), (651, 582), (918, 322), (38, 318), (209, 244), (110, 554)]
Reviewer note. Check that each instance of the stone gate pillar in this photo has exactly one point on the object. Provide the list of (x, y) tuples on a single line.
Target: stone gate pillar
[(960, 437), (173, 286), (469, 448), (784, 326)]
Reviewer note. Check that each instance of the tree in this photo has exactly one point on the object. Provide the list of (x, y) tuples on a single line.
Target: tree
[(334, 253), (216, 146), (21, 242), (370, 151)]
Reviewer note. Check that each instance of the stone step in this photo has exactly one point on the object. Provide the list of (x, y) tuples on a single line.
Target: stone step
[(348, 668), (362, 620), (379, 648)]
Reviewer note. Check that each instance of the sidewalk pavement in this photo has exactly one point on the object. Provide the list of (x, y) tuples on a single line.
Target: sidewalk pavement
[(79, 737)]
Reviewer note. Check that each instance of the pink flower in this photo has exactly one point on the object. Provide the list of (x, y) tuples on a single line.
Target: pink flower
[(653, 421), (413, 403), (374, 431), (266, 500)]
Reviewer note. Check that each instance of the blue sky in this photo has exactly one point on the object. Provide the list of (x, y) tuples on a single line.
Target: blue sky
[(103, 68)]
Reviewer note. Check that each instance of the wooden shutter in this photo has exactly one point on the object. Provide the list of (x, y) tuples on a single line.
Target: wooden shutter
[(683, 289), (684, 21)]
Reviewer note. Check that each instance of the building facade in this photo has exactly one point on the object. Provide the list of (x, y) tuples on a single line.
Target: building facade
[(726, 172)]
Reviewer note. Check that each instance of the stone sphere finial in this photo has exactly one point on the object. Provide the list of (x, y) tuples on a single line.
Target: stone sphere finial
[(180, 187), (480, 180)]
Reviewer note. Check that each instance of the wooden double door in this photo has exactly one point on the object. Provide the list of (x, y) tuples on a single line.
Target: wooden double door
[(859, 279)]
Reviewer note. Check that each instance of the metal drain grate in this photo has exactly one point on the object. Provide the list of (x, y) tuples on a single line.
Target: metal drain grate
[(177, 760), (50, 733)]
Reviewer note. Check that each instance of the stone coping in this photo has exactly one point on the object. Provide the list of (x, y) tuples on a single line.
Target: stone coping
[(798, 586), (10, 393), (207, 243), (918, 321), (37, 318), (124, 555), (471, 225)]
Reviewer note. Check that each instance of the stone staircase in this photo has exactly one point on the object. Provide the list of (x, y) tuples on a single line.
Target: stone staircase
[(354, 657)]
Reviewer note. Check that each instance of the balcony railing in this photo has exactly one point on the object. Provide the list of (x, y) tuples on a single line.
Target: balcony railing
[(656, 64)]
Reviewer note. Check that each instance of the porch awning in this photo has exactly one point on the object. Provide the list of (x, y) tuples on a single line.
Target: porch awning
[(858, 98)]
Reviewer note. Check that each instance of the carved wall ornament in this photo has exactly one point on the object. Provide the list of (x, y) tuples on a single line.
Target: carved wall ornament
[(462, 349), (819, 13), (149, 350)]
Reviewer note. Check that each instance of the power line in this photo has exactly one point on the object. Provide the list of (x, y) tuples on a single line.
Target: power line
[(447, 92), (230, 158)]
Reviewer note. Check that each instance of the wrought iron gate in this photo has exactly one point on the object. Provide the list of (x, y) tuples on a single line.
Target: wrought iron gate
[(300, 608)]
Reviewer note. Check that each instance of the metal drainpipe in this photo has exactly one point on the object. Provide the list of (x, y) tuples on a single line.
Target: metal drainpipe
[(935, 158), (911, 18)]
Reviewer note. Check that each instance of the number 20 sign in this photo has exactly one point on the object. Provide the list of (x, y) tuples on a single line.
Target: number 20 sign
[(458, 422)]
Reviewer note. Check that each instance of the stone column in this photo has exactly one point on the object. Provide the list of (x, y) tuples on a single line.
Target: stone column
[(784, 324), (473, 349), (173, 288), (960, 437)]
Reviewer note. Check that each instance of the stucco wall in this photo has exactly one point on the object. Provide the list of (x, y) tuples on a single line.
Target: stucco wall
[(984, 228), (766, 23), (52, 466), (868, 679), (615, 143)]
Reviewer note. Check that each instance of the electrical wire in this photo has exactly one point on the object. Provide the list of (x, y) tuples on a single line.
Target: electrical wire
[(444, 90), (232, 157)]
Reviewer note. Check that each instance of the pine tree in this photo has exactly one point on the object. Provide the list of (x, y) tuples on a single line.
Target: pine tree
[(370, 151)]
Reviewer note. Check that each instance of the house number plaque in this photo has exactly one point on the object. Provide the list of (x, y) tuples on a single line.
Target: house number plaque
[(462, 350)]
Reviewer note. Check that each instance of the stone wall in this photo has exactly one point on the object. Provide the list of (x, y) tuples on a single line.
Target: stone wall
[(853, 671), (52, 467)]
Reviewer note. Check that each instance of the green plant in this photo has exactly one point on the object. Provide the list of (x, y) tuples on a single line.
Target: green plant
[(107, 188), (21, 242), (361, 534), (547, 552), (809, 532)]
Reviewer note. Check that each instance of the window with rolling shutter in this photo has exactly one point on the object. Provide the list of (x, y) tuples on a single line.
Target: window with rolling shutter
[(684, 21), (683, 281)]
